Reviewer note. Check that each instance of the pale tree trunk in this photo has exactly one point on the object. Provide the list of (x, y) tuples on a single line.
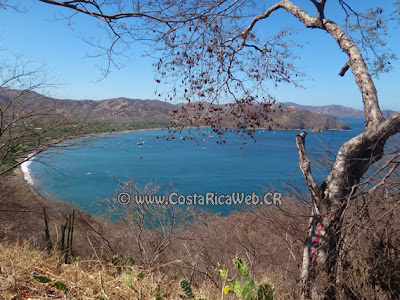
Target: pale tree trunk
[(352, 161), (330, 199)]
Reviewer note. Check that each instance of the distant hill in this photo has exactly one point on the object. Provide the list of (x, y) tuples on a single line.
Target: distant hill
[(110, 109), (307, 120), (124, 110), (337, 111)]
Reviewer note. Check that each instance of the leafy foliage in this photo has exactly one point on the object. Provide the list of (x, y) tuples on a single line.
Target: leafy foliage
[(246, 288), (103, 292), (57, 284), (187, 289)]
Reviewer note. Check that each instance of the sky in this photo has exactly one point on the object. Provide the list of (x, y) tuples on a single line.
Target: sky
[(37, 35)]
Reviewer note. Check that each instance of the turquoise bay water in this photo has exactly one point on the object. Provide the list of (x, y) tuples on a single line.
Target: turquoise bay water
[(82, 175)]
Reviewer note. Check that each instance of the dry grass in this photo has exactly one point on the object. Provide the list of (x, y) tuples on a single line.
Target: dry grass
[(82, 277), (268, 240), (19, 263)]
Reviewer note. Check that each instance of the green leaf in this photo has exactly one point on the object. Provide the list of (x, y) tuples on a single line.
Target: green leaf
[(265, 292), (248, 287), (128, 280), (105, 258), (61, 286), (103, 292), (236, 288), (223, 272), (129, 261), (241, 267), (187, 289), (139, 276), (57, 284), (42, 279)]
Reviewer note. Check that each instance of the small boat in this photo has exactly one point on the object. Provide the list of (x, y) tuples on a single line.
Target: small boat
[(140, 143)]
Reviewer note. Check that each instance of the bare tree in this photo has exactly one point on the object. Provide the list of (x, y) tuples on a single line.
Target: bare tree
[(29, 122), (152, 225), (212, 50)]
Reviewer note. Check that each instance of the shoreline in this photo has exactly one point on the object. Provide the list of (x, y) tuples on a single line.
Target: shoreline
[(26, 171), (23, 170), (23, 173)]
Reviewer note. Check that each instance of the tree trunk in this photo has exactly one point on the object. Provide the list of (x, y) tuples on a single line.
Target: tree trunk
[(352, 161), (330, 199)]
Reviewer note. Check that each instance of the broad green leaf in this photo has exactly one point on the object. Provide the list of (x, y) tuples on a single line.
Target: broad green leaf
[(42, 279), (242, 267), (223, 272), (61, 286)]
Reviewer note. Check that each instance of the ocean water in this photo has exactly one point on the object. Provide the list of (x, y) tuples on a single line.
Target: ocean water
[(84, 174)]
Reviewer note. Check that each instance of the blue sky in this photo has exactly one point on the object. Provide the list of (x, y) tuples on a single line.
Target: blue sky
[(38, 37)]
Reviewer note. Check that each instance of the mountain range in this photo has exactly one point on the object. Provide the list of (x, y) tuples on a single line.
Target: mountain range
[(337, 111), (295, 116)]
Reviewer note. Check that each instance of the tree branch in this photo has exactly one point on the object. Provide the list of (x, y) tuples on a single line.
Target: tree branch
[(344, 69), (104, 17), (383, 180), (357, 155), (262, 16), (304, 164), (372, 112), (123, 15)]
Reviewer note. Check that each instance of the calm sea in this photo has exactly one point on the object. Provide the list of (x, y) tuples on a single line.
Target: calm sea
[(84, 174)]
